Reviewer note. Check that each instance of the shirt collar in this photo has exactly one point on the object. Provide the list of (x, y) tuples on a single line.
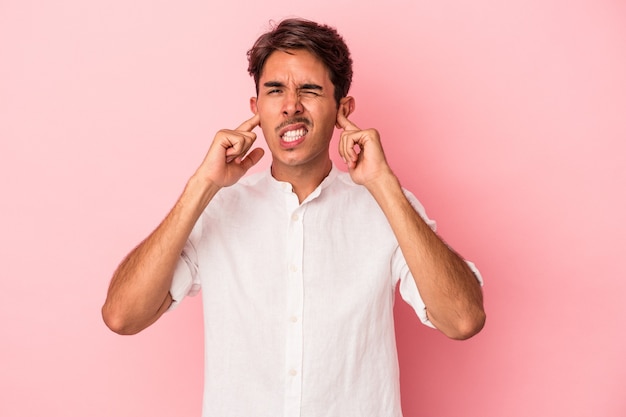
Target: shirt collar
[(287, 188)]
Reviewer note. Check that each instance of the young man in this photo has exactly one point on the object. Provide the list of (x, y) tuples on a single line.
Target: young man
[(298, 265)]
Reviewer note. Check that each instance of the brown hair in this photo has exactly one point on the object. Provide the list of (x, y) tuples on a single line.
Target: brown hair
[(321, 40)]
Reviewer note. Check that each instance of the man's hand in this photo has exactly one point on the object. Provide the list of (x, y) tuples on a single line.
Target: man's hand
[(226, 161), (361, 150)]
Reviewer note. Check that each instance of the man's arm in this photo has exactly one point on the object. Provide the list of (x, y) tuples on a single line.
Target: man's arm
[(139, 291), (448, 287)]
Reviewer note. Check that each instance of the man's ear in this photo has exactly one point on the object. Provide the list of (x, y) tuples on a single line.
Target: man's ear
[(253, 107), (349, 104), (346, 105)]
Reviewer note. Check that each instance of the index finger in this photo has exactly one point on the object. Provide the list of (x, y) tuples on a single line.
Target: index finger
[(249, 124), (343, 122)]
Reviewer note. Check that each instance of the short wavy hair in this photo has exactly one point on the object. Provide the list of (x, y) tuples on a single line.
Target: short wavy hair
[(322, 41)]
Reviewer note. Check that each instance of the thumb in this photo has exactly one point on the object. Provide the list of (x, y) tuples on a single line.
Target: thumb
[(252, 158)]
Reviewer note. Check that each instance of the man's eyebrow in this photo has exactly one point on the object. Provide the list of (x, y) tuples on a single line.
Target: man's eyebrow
[(311, 87), (273, 84)]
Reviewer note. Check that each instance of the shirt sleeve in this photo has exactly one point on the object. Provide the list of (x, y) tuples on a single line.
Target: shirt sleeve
[(408, 289), (186, 280)]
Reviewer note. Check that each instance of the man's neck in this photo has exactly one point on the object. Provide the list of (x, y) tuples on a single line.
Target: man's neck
[(303, 179)]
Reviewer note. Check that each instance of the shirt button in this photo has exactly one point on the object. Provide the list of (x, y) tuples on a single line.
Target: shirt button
[(293, 268), (294, 217), (293, 372), (293, 319)]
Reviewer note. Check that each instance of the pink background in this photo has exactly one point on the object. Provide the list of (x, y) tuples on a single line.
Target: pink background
[(507, 119)]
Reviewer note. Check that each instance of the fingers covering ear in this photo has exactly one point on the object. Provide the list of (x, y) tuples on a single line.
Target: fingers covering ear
[(346, 107)]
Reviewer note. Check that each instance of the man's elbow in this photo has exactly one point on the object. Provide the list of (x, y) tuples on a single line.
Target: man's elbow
[(468, 326), (118, 323), (123, 321)]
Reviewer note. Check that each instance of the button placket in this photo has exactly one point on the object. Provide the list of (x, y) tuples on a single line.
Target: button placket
[(293, 315)]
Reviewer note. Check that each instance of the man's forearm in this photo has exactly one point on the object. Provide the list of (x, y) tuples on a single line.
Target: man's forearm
[(448, 287), (139, 290)]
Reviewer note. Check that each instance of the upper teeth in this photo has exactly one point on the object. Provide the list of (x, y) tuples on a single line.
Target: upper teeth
[(292, 135)]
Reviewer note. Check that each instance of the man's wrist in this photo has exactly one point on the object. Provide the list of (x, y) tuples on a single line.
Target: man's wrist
[(200, 190), (383, 183)]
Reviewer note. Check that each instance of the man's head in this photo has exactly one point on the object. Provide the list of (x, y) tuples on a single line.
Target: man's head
[(298, 34), (302, 73)]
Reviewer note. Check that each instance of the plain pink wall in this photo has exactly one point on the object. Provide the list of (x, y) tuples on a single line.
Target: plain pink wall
[(507, 119)]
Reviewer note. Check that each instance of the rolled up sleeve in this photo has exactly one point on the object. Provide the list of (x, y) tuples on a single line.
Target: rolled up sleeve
[(186, 279), (408, 288)]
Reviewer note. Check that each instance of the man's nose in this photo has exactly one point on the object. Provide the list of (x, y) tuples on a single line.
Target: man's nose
[(292, 104)]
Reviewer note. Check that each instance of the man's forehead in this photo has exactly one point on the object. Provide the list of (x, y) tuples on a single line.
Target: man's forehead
[(297, 67)]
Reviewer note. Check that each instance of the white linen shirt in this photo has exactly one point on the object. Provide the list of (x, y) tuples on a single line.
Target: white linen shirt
[(298, 300)]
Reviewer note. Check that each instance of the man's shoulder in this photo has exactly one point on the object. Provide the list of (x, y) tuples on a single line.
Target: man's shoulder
[(341, 189), (245, 191), (343, 181), (252, 180)]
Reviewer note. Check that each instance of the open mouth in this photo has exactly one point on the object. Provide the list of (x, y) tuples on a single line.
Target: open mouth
[(294, 135)]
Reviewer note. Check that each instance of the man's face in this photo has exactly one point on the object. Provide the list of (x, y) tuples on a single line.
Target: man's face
[(297, 110)]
